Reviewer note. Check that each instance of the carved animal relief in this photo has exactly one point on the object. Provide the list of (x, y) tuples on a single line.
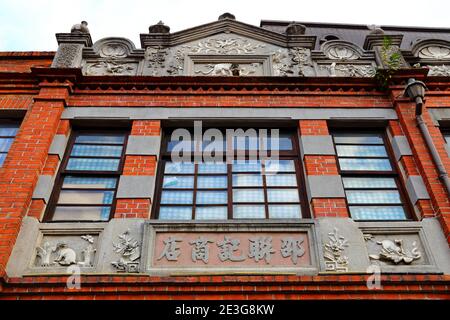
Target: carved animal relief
[(393, 251), (65, 253)]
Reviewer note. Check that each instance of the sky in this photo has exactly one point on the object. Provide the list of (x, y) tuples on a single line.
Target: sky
[(30, 25)]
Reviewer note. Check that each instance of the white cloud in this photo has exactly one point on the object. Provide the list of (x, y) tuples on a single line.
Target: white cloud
[(31, 25)]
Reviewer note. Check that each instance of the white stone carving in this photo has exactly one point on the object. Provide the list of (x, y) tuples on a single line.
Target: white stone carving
[(224, 46), (66, 255), (111, 67), (341, 52), (129, 249), (229, 69), (350, 70), (88, 252), (335, 260), (435, 52), (113, 51), (443, 70), (281, 64), (394, 251), (301, 57), (156, 57), (44, 253)]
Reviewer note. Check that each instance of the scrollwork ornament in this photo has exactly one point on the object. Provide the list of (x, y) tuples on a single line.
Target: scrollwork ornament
[(129, 249)]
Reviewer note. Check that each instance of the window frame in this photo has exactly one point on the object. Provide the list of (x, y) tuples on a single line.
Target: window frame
[(63, 172), (10, 121), (293, 154), (394, 174)]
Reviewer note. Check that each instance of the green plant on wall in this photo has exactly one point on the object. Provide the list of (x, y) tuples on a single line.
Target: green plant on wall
[(391, 60)]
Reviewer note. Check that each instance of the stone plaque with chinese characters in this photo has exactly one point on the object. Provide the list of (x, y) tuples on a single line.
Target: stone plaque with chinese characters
[(231, 249)]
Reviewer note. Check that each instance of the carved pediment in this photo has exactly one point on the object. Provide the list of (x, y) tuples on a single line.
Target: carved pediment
[(341, 50), (432, 50)]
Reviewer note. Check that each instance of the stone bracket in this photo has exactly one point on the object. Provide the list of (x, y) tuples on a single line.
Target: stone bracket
[(416, 189)]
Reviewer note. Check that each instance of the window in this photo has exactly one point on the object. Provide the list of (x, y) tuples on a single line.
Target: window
[(244, 188), (369, 177), (87, 182), (8, 131), (447, 137)]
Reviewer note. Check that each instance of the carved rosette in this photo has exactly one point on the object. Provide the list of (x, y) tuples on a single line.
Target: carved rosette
[(435, 52)]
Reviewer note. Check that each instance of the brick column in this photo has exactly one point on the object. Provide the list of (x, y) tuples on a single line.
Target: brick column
[(324, 185), (137, 182), (412, 180), (26, 160), (440, 202)]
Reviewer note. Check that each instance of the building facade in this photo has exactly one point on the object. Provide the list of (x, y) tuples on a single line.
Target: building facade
[(334, 183)]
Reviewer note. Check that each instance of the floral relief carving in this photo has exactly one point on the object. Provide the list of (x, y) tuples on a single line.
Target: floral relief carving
[(129, 249), (229, 69), (335, 260), (281, 64), (113, 51), (340, 52), (66, 55), (156, 57), (443, 70), (111, 67), (301, 57), (349, 70), (435, 52), (224, 46)]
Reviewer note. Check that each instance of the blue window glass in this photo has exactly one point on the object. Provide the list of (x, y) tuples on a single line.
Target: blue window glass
[(85, 197), (178, 182), (210, 167), (177, 197), (249, 212), (350, 164), (100, 139), (275, 166), (369, 196), (281, 180), (8, 132), (89, 182), (179, 167), (247, 166), (283, 195), (247, 180), (212, 197), (88, 164), (377, 212), (74, 213), (212, 182), (211, 213), (248, 195), (81, 150), (285, 211), (361, 151), (175, 213)]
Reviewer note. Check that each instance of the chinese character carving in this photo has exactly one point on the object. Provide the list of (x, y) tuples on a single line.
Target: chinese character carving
[(200, 251), (171, 250), (291, 247), (261, 248), (227, 248)]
